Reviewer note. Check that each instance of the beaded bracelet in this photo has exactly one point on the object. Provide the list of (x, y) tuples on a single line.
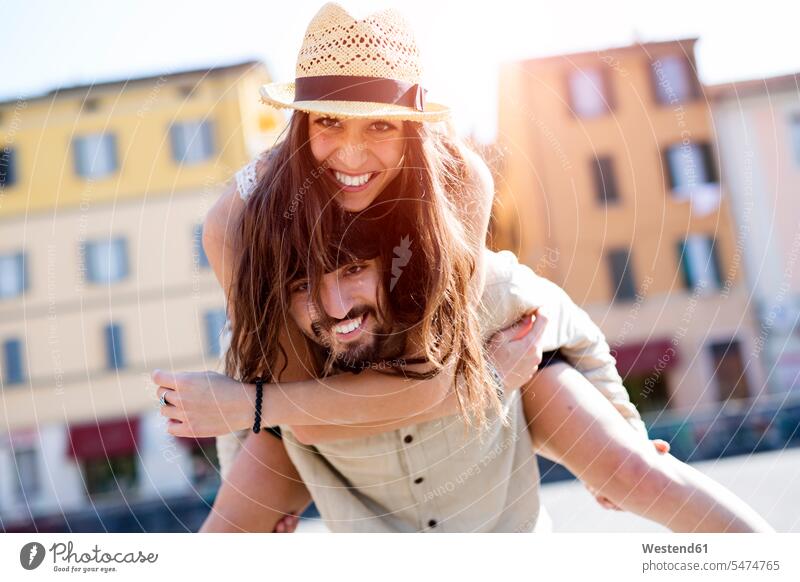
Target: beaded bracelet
[(259, 397)]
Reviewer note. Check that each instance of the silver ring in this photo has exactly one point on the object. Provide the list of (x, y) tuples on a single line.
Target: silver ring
[(163, 400)]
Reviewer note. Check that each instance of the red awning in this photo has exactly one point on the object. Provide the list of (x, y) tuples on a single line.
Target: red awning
[(98, 440), (645, 359)]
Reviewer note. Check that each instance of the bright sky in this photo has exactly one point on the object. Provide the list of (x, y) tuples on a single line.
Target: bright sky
[(51, 43)]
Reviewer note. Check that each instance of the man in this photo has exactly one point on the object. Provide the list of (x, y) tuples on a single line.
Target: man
[(432, 472)]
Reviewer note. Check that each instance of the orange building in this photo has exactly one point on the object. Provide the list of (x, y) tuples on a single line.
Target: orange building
[(610, 187)]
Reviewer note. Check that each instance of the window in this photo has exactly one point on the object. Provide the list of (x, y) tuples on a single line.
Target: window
[(95, 155), (729, 370), (690, 166), (115, 354), (199, 254), (91, 104), (214, 321), (605, 184), (192, 141), (588, 91), (794, 130), (110, 475), (12, 275), (12, 362), (674, 80), (106, 260), (185, 91), (27, 469), (8, 170), (621, 275), (699, 262)]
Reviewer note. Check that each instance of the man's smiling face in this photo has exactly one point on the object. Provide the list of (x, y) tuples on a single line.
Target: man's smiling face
[(348, 322)]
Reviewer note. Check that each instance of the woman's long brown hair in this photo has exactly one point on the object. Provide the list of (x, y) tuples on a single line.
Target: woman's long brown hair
[(290, 226)]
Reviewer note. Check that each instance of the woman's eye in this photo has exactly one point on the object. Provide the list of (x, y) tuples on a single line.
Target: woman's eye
[(383, 126), (328, 122)]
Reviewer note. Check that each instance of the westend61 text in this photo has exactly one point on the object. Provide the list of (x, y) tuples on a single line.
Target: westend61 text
[(675, 549)]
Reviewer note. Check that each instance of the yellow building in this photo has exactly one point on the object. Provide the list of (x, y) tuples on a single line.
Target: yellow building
[(610, 187), (103, 189)]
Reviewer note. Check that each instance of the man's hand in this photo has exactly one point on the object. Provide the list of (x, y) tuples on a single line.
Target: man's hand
[(203, 404), (660, 445), (516, 351)]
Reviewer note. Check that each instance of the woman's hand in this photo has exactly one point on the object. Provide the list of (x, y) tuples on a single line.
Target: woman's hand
[(516, 351), (204, 404), (660, 445), (287, 524)]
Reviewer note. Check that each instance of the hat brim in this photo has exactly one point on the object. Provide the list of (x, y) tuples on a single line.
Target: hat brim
[(281, 95)]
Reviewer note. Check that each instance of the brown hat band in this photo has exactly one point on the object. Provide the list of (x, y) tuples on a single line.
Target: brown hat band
[(354, 88)]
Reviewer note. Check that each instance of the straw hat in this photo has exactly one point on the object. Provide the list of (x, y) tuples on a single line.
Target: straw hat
[(363, 68)]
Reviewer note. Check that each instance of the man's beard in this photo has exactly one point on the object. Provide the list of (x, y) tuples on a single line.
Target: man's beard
[(385, 343)]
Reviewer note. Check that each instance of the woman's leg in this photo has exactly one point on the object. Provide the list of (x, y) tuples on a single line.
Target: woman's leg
[(262, 487), (572, 423)]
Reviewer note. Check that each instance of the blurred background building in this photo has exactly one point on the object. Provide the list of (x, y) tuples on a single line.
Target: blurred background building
[(103, 279), (758, 128)]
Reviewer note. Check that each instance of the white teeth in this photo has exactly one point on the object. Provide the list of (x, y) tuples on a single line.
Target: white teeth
[(348, 327), (352, 180)]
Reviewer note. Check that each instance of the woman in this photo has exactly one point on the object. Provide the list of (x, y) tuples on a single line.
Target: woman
[(373, 146)]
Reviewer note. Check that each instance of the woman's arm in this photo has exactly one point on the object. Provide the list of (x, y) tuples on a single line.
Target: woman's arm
[(515, 352), (313, 434), (209, 404)]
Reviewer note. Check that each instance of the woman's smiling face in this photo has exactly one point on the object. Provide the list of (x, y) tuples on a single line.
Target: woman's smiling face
[(361, 155)]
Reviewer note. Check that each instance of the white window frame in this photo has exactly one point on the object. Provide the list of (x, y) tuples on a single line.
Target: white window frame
[(674, 80), (794, 136), (6, 364), (106, 260), (95, 155), (28, 486), (192, 141), (588, 92), (12, 275), (700, 263), (687, 167), (214, 322)]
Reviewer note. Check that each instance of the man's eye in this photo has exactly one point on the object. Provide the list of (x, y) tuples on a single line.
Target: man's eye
[(354, 269), (299, 288)]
